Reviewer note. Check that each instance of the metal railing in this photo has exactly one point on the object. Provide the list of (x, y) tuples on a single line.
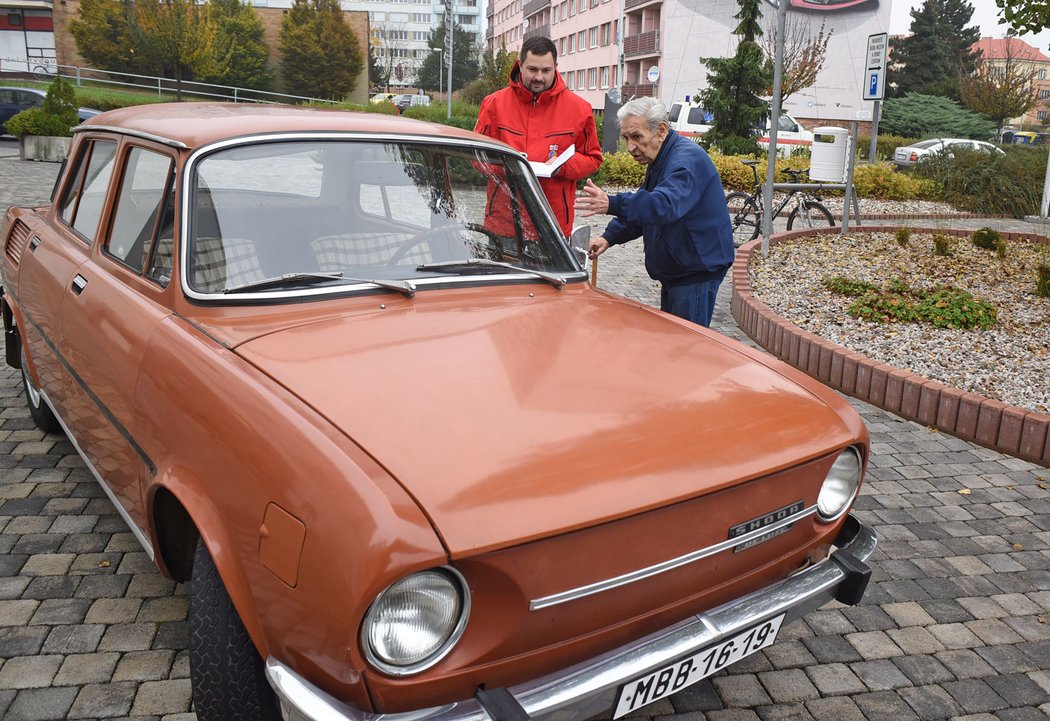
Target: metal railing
[(535, 30), (635, 3), (642, 43), (534, 6), (637, 90), (82, 77)]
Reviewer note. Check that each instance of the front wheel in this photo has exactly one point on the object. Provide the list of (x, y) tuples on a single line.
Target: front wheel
[(745, 217), (810, 214), (228, 675)]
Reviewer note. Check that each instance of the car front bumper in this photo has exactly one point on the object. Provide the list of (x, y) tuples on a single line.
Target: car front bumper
[(590, 688)]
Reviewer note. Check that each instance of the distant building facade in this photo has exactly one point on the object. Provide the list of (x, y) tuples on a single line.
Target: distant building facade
[(27, 38), (999, 51)]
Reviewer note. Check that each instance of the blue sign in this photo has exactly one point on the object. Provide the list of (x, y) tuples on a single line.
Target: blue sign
[(873, 85)]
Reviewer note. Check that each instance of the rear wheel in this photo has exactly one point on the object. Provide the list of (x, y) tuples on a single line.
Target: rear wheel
[(41, 413), (743, 212), (810, 214), (228, 675)]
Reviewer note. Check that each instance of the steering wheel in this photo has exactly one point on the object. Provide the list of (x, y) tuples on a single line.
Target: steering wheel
[(449, 231)]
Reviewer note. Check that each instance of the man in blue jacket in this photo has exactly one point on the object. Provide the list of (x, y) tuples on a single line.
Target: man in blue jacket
[(680, 212)]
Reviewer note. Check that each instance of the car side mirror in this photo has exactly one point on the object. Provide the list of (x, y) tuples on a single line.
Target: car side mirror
[(580, 241)]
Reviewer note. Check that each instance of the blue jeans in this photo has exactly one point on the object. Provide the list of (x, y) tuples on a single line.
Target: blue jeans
[(692, 301)]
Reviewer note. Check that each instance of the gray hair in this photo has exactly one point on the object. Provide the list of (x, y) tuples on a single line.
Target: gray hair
[(650, 109)]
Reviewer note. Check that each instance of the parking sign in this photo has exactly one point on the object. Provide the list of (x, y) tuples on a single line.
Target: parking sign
[(875, 67)]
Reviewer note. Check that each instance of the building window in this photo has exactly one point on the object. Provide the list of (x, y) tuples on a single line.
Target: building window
[(572, 8), (593, 34), (568, 80), (572, 44), (605, 77), (1042, 115), (1044, 94), (1042, 74), (581, 40), (592, 78), (605, 34)]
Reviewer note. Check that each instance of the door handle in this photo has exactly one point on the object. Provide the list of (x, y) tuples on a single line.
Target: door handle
[(79, 283), (34, 243)]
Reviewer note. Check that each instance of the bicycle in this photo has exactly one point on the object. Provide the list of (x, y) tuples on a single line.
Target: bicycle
[(808, 212), (45, 72)]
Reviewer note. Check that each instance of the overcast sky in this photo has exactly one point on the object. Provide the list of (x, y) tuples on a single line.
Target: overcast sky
[(985, 14)]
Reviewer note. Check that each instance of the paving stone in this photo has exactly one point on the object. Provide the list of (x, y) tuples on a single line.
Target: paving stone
[(884, 705), (155, 666), (80, 669), (12, 587), (835, 709), (700, 696), (162, 697), (835, 680), (965, 663), (1008, 659), (788, 686), (974, 695), (946, 611), (1025, 713), (930, 702), (908, 614), (59, 611), (993, 632), (128, 637), (732, 715), (48, 564), (17, 613), (922, 670), (113, 587), (955, 635), (789, 654), (103, 700), (1019, 689), (784, 712), (915, 640), (739, 691), (113, 610), (831, 649), (29, 671), (874, 644), (41, 704), (44, 587), (22, 640), (80, 638)]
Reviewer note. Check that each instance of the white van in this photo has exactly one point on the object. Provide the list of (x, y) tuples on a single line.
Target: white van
[(693, 121)]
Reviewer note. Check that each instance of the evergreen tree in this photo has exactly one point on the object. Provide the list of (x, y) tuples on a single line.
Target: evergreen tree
[(937, 52), (240, 51), (932, 116), (735, 87), (464, 59), (103, 34), (320, 55)]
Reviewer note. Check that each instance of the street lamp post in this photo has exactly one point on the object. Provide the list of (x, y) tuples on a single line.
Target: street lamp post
[(441, 68)]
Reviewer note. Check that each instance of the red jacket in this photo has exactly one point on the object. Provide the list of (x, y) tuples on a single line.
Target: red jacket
[(543, 127)]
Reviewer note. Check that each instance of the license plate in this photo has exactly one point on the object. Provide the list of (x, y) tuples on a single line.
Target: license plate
[(680, 674)]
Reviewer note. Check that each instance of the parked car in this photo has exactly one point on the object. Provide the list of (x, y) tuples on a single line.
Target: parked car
[(410, 100), (14, 100), (693, 120), (909, 155), (381, 98), (413, 468)]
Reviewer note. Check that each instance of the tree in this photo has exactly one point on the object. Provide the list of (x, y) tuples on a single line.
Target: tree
[(176, 38), (937, 52), (804, 56), (240, 51), (735, 85), (495, 73), (464, 58), (931, 116), (1001, 89), (320, 55), (103, 34), (1025, 16), (394, 57)]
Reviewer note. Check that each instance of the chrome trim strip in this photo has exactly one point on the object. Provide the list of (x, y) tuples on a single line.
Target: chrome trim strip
[(665, 566), (137, 532), (133, 133), (589, 688)]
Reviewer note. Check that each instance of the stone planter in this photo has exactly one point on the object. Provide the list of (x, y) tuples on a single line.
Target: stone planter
[(43, 147)]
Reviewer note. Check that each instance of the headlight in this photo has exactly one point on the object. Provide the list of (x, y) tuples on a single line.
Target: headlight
[(416, 621), (840, 486)]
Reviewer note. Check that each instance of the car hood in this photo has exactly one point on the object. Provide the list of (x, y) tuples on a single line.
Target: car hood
[(510, 418)]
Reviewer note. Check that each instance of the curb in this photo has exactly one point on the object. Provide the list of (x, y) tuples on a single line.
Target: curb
[(990, 423)]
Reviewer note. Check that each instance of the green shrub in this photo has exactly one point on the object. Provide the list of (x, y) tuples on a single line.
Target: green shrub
[(932, 116), (620, 169), (942, 244), (1000, 249), (57, 116), (884, 145), (1042, 280), (884, 307), (883, 182), (464, 115), (903, 236), (986, 238), (948, 307), (845, 286), (998, 184)]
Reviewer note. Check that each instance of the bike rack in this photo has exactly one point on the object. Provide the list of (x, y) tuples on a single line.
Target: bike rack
[(855, 204)]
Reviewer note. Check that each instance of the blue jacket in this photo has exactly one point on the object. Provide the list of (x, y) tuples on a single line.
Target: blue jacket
[(680, 211)]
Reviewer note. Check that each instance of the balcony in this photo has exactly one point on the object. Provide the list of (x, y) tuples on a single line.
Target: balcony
[(490, 11), (631, 4), (647, 43), (488, 32), (534, 6), (535, 30), (637, 90)]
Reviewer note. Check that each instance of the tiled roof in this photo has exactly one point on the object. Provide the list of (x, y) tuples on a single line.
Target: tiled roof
[(1001, 48)]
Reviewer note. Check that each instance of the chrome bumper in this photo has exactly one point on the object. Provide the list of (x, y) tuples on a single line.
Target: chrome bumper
[(590, 688)]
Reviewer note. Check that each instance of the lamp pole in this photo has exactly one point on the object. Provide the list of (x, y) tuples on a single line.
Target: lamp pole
[(441, 66)]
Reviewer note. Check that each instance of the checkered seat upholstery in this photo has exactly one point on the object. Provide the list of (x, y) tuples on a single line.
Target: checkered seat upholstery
[(218, 263), (342, 252)]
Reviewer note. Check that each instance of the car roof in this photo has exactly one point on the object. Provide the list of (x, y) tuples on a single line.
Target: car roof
[(193, 125), (37, 91)]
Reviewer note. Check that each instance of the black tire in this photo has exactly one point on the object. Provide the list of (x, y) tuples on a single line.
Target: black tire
[(228, 675), (743, 213), (810, 214), (41, 413)]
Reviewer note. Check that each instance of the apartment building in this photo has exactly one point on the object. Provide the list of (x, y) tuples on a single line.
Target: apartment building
[(999, 52)]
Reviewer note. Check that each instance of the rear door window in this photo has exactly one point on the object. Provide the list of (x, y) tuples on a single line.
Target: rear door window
[(81, 206)]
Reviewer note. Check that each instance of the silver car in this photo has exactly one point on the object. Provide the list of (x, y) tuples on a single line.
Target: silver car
[(910, 155)]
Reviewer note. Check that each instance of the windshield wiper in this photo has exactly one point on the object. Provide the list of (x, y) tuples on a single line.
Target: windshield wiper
[(483, 264), (401, 286)]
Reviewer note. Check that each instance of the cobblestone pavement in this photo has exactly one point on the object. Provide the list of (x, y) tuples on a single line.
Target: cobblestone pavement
[(955, 623)]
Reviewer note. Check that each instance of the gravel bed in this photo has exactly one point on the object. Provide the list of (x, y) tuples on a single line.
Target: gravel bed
[(1007, 362)]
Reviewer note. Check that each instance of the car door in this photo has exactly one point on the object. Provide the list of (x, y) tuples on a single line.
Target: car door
[(8, 106), (49, 264), (111, 309)]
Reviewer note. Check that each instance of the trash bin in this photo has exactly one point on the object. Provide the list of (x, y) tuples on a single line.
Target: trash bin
[(827, 160)]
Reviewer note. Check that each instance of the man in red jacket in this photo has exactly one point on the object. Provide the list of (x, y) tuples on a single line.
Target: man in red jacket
[(539, 116)]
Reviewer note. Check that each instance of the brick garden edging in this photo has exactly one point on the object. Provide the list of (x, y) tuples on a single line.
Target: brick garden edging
[(1008, 429)]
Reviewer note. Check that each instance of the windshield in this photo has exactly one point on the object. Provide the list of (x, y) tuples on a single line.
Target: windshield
[(315, 216)]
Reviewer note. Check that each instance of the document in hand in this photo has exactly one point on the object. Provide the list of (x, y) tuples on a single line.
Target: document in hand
[(546, 170)]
